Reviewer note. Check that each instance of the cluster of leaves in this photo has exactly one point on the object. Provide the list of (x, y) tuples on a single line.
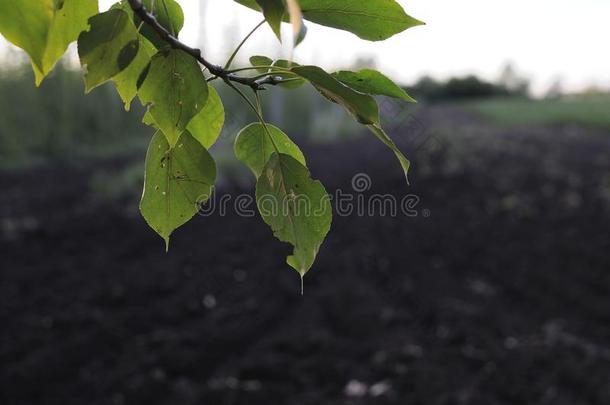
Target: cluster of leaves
[(135, 45)]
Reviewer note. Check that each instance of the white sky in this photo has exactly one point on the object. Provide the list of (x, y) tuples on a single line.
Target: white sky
[(545, 39)]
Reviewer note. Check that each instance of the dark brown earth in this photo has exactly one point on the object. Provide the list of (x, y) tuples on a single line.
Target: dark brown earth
[(496, 292)]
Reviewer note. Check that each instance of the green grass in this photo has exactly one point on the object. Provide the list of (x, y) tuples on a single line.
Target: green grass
[(587, 111)]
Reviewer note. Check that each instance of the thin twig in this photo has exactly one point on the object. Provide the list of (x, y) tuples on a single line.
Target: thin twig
[(234, 54), (256, 84)]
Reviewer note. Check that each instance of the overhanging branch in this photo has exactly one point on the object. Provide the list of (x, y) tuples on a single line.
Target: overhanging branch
[(149, 19)]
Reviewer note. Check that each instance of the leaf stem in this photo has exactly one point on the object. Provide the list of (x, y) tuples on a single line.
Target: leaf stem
[(257, 97), (257, 110), (276, 69), (262, 120), (234, 54), (248, 101)]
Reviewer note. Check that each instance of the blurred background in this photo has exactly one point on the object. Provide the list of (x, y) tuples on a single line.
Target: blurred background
[(493, 290)]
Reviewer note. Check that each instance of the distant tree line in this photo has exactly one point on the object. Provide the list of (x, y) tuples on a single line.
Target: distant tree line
[(508, 84)]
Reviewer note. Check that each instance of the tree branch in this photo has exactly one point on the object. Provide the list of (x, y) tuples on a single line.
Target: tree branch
[(149, 19)]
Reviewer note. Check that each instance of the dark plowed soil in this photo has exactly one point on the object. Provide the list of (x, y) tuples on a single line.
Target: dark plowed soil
[(495, 290)]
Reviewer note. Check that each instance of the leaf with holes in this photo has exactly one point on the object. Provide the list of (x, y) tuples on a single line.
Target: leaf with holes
[(297, 208), (126, 82), (176, 91), (176, 182), (108, 48)]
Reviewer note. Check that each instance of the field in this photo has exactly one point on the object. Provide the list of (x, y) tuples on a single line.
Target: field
[(494, 292), (587, 111)]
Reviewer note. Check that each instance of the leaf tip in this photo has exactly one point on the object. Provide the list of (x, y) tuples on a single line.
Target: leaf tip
[(38, 80), (409, 99)]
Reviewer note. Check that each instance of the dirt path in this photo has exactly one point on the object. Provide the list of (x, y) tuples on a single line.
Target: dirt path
[(497, 292)]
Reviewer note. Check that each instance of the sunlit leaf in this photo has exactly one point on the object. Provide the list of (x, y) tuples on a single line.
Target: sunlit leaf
[(44, 28), (207, 125), (149, 120), (26, 24), (254, 146), (108, 48), (127, 80), (177, 180), (176, 90)]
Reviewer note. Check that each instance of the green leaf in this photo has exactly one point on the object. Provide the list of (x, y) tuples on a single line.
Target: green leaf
[(274, 11), (168, 13), (127, 80), (262, 61), (26, 24), (177, 180), (254, 146), (294, 82), (108, 47), (176, 90), (362, 106), (44, 28), (404, 162), (372, 82), (373, 20), (148, 119), (207, 125), (70, 19), (296, 208), (123, 5)]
